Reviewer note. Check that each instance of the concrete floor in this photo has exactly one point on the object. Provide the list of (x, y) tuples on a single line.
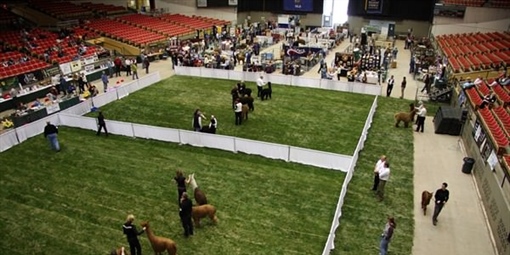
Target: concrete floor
[(462, 227)]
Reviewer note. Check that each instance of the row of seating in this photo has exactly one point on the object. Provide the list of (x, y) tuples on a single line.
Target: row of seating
[(124, 32), (216, 22), (21, 68), (104, 8), (473, 3), (499, 136), (61, 10), (187, 21), (500, 3), (464, 55), (155, 25), (6, 17)]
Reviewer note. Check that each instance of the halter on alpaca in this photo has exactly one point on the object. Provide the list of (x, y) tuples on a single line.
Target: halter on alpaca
[(199, 195), (160, 244)]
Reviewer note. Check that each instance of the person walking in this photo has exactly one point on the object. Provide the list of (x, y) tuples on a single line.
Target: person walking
[(260, 85), (132, 235), (180, 180), (101, 124), (378, 166), (127, 64), (386, 236), (134, 70), (146, 64), (51, 133), (442, 195), (384, 176), (391, 82), (104, 78), (420, 121), (238, 110), (185, 210), (403, 87)]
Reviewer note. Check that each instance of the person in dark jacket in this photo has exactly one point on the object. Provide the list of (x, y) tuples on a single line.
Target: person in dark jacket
[(442, 195), (101, 124), (181, 184), (186, 207), (132, 235), (51, 133)]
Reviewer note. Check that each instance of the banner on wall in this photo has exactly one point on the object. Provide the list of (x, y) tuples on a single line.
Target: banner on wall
[(298, 5), (232, 2), (374, 6), (201, 3)]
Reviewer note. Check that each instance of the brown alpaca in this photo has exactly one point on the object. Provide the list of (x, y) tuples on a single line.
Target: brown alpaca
[(425, 200), (406, 117), (245, 110), (160, 244), (201, 211)]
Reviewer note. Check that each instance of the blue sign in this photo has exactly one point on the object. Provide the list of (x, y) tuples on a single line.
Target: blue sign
[(374, 6), (298, 5)]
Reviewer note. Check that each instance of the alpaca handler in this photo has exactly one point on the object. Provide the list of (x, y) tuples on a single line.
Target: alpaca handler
[(260, 85), (132, 235), (378, 166), (422, 113), (386, 235), (181, 184), (384, 176), (197, 120), (51, 132), (186, 207), (238, 111)]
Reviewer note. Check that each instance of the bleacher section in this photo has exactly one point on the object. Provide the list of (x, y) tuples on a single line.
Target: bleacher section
[(156, 25), (19, 68), (473, 3), (191, 22), (107, 9), (473, 52), (124, 32), (60, 10)]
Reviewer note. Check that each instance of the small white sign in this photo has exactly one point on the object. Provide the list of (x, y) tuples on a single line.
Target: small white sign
[(232, 2), (201, 3), (53, 108)]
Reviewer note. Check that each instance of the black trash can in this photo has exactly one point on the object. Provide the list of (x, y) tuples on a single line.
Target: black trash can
[(468, 165)]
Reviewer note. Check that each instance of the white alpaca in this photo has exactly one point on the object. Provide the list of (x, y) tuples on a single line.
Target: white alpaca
[(198, 194), (191, 181)]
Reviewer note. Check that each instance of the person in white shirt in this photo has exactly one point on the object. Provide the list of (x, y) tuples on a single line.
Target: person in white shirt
[(260, 85), (128, 66), (238, 110), (378, 166), (213, 125), (478, 81), (422, 113), (384, 176)]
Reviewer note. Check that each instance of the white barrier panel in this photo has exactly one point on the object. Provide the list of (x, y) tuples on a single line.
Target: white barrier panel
[(235, 75), (149, 79), (220, 74), (320, 159), (217, 141), (156, 133), (123, 91), (279, 79), (8, 139), (79, 109), (132, 87), (375, 90), (305, 82), (334, 85), (194, 71), (206, 72), (105, 98), (184, 70), (35, 128), (120, 128), (253, 76), (268, 150), (78, 121), (190, 137)]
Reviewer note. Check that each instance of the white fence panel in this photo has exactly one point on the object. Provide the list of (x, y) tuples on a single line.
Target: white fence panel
[(8, 140), (194, 71), (220, 74), (279, 79), (149, 79), (78, 121), (184, 70), (79, 109), (123, 91), (306, 82), (334, 85), (191, 138), (268, 150), (105, 98), (320, 159), (35, 128), (120, 128), (252, 76), (375, 90), (236, 75), (156, 133), (226, 143), (206, 72)]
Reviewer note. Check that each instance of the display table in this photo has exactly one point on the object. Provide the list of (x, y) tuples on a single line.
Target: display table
[(24, 98), (372, 77), (96, 74), (33, 115)]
